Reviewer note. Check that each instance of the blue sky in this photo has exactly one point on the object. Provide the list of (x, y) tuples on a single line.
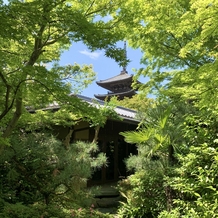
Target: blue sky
[(103, 66)]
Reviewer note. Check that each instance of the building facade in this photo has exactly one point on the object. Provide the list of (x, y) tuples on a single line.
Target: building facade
[(109, 141)]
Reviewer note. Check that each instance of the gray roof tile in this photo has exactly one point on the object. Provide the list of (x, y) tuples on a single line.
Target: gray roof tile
[(125, 113)]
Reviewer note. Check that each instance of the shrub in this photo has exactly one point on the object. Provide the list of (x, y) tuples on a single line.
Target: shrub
[(144, 193), (39, 176), (196, 182), (18, 210)]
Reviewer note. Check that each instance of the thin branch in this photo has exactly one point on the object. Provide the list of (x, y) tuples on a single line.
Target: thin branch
[(99, 10), (11, 72), (180, 45), (92, 3), (207, 90), (53, 41), (175, 55), (9, 52)]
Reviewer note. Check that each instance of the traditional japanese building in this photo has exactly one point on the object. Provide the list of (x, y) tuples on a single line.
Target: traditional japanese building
[(110, 141), (119, 86)]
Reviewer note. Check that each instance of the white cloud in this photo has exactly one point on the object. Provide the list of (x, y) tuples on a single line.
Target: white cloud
[(92, 55)]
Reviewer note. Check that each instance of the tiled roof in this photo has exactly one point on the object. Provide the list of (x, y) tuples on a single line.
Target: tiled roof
[(125, 113), (122, 76), (120, 94)]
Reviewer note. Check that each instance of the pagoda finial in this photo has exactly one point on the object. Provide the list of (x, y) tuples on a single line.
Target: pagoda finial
[(125, 57)]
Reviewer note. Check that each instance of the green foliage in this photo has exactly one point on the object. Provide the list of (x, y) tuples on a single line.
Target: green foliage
[(147, 195), (159, 141), (137, 102), (144, 193), (179, 45), (154, 136), (103, 112), (68, 114), (192, 185), (179, 42), (172, 214), (37, 170), (88, 212), (196, 181), (19, 210), (35, 35)]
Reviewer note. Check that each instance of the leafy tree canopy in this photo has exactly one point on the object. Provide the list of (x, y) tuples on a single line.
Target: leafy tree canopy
[(179, 41), (137, 102), (35, 34)]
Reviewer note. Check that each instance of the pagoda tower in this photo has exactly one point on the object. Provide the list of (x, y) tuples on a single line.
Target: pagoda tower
[(119, 86)]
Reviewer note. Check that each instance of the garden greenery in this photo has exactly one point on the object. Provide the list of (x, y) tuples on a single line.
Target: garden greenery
[(39, 177)]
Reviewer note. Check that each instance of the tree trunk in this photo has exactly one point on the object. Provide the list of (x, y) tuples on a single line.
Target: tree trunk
[(171, 158), (168, 190), (66, 141), (169, 195), (15, 117), (95, 139), (19, 101), (46, 197)]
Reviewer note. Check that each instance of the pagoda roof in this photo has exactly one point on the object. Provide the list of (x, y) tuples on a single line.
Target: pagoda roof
[(121, 78), (120, 95)]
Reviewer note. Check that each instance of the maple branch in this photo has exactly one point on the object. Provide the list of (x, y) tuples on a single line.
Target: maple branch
[(92, 3)]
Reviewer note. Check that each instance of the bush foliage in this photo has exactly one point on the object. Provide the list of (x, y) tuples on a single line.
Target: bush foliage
[(144, 195), (39, 176)]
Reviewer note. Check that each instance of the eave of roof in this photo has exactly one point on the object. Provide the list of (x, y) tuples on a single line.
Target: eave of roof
[(127, 115), (122, 77), (120, 94)]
